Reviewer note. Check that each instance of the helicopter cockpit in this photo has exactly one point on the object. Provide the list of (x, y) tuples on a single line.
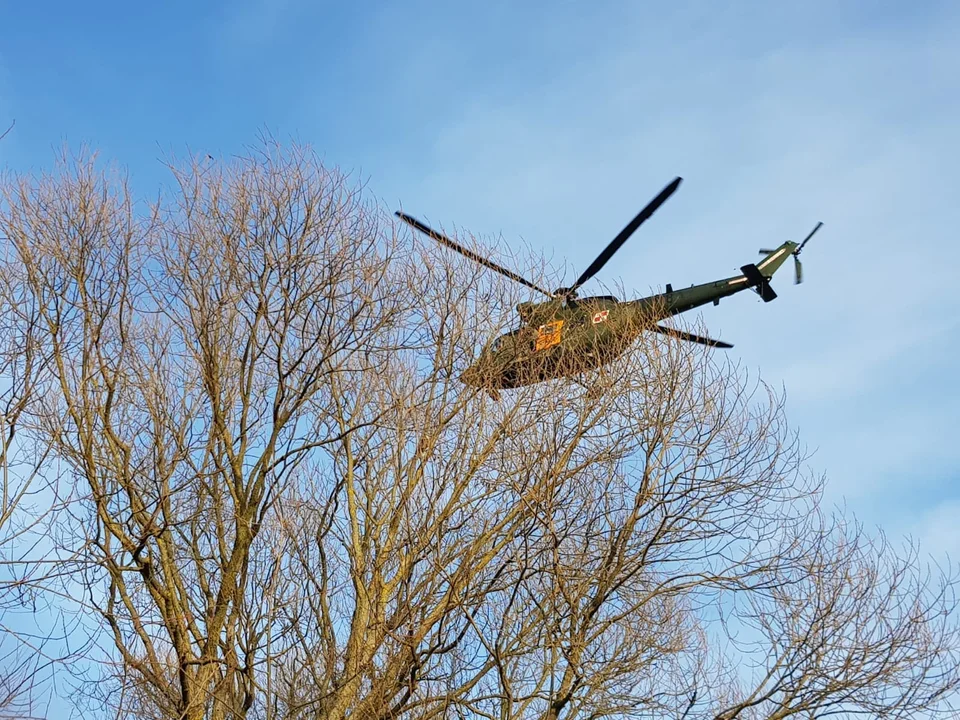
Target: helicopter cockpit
[(501, 342)]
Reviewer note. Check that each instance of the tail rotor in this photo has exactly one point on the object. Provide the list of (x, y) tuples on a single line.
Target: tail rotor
[(797, 266)]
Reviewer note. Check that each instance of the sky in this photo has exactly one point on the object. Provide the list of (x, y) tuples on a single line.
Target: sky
[(549, 124)]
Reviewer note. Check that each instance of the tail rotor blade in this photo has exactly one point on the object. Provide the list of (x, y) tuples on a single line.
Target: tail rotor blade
[(799, 270), (807, 238)]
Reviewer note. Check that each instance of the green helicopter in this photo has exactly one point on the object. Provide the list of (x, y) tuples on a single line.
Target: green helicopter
[(567, 334)]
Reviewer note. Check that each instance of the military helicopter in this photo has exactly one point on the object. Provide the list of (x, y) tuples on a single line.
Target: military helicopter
[(567, 334)]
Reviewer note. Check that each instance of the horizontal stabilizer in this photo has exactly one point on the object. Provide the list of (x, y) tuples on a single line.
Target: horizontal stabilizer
[(690, 337), (757, 280)]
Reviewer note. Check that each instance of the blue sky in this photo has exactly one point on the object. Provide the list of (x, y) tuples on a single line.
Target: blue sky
[(552, 123)]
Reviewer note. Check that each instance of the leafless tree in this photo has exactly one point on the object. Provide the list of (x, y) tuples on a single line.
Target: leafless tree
[(288, 506), (27, 497)]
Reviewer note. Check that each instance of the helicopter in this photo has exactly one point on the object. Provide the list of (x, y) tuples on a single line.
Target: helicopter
[(567, 334)]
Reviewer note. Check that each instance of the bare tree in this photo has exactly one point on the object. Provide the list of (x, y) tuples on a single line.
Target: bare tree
[(27, 498), (288, 506)]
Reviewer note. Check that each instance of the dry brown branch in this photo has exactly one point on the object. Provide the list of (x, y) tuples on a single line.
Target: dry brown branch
[(289, 507), (27, 497)]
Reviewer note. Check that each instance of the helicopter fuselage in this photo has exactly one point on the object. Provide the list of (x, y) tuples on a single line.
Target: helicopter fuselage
[(564, 337), (568, 335)]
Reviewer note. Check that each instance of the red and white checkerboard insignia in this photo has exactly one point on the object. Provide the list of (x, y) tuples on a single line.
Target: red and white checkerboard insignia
[(600, 316)]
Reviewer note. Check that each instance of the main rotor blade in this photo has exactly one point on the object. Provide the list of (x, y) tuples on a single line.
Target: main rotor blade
[(443, 240), (690, 337), (620, 239)]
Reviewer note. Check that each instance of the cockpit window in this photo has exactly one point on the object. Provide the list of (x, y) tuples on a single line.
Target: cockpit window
[(501, 341)]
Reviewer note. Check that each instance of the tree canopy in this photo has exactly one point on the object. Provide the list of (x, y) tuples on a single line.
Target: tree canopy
[(270, 497)]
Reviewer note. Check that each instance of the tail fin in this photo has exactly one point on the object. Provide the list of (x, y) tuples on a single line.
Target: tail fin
[(775, 258), (756, 279), (759, 275)]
